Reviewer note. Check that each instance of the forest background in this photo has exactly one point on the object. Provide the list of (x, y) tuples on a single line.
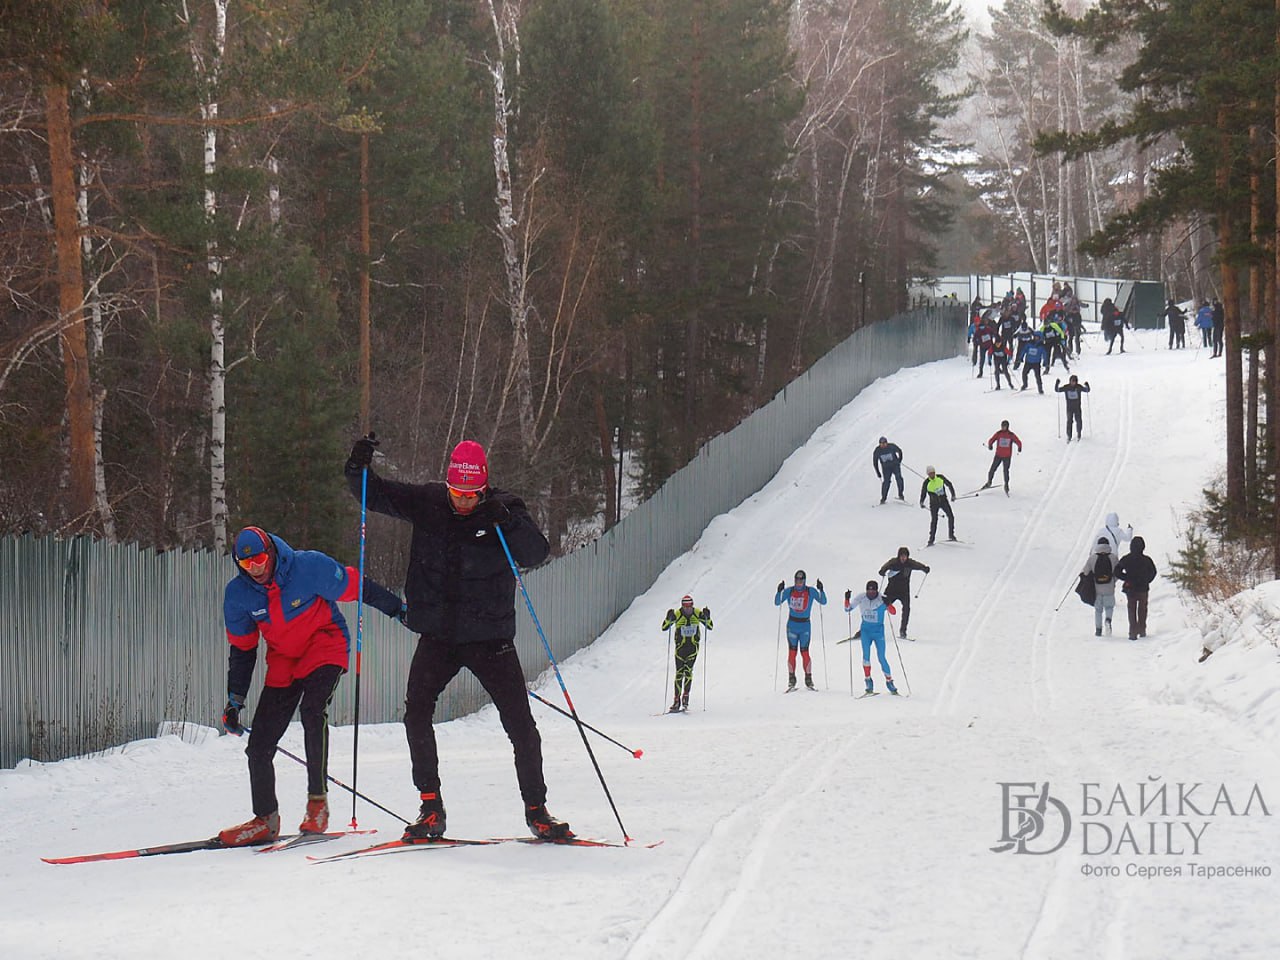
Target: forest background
[(236, 234)]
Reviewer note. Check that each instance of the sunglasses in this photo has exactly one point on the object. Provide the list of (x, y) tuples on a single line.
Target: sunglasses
[(464, 494)]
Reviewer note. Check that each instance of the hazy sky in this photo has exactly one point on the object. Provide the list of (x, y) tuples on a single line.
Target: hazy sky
[(976, 12)]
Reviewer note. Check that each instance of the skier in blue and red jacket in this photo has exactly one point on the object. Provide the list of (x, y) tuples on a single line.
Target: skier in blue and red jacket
[(799, 600), (288, 598)]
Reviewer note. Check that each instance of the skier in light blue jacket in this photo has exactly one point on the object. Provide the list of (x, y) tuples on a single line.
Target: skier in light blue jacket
[(799, 600), (872, 608)]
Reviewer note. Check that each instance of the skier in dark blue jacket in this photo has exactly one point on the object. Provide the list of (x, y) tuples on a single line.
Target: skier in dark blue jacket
[(1031, 357), (887, 460), (799, 600)]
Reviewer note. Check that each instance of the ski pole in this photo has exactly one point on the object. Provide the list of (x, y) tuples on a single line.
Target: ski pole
[(1064, 598), (666, 673), (1058, 407), (502, 539), (850, 612), (921, 587), (1090, 408), (777, 657), (898, 647), (339, 783), (635, 753), (704, 676), (920, 475), (822, 629), (355, 744)]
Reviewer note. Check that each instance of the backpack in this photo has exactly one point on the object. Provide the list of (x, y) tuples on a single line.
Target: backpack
[(1102, 569)]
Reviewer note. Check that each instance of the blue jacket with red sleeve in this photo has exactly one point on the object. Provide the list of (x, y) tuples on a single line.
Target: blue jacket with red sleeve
[(296, 613)]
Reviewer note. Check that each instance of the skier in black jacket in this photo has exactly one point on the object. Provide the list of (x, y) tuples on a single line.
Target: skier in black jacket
[(898, 586), (460, 594), (1074, 391), (887, 460)]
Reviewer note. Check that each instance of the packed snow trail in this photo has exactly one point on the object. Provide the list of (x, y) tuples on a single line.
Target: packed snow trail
[(810, 825)]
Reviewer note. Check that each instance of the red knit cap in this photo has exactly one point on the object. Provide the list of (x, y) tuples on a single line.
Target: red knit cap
[(468, 467)]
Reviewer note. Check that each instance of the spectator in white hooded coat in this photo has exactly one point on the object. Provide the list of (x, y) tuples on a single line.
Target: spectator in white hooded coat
[(1115, 534)]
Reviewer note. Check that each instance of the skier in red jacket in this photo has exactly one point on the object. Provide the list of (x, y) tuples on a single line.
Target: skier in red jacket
[(1002, 441)]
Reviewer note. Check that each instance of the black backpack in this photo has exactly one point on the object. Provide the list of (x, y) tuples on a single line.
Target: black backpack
[(1102, 569)]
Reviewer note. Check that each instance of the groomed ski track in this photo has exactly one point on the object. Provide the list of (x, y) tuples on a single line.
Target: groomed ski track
[(803, 826)]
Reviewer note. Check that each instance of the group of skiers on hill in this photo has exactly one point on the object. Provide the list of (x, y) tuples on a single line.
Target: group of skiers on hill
[(1210, 320)]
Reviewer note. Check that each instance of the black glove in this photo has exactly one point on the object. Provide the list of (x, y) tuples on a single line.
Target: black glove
[(820, 590), (848, 595), (706, 613), (671, 615), (1086, 383), (362, 450), (926, 568), (494, 511), (922, 505), (782, 585), (231, 715)]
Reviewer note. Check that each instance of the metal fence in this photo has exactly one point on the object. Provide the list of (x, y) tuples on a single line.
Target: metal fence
[(100, 643)]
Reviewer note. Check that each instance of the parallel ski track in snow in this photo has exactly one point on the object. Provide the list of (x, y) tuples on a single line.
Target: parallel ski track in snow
[(725, 870)]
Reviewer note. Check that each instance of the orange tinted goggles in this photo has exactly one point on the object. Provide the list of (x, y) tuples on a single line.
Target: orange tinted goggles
[(464, 494), (255, 564)]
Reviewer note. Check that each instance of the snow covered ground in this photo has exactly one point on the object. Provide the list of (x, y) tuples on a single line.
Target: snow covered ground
[(808, 825)]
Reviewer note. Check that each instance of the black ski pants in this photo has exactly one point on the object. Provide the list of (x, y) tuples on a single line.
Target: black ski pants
[(496, 665), (936, 504), (271, 717), (900, 593), (686, 657), (996, 463), (1001, 368), (1073, 416), (887, 474), (1030, 368)]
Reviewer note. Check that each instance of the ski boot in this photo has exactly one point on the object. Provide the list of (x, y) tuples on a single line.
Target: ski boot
[(430, 822), (808, 681), (684, 702), (675, 706), (316, 819), (870, 686), (544, 826), (1097, 631), (791, 682), (1108, 628), (892, 689), (258, 830), (985, 486)]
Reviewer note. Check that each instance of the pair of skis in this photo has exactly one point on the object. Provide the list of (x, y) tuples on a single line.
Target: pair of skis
[(213, 843), (404, 845)]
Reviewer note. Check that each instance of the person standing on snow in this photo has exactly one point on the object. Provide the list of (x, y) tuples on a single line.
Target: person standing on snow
[(886, 458), (871, 609), (1219, 315), (1115, 533), (687, 623), (1100, 567), (935, 485), (1002, 442), (799, 600), (1074, 391), (1204, 323), (1000, 363), (1136, 571), (461, 601), (1177, 321), (289, 598), (898, 586)]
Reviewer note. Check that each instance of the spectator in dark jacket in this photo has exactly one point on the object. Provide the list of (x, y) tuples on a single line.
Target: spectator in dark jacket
[(1176, 318), (460, 593), (1219, 324), (1136, 571)]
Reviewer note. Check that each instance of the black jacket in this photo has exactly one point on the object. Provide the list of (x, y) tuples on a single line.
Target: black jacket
[(459, 586), (937, 498), (1137, 570), (900, 571)]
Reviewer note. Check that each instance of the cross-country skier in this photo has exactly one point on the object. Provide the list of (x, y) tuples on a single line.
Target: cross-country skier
[(1136, 571), (1074, 391), (935, 486), (1000, 363), (1031, 355), (686, 623), (898, 586), (288, 598), (461, 596), (1002, 441), (799, 600), (871, 609), (887, 460), (1100, 567)]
